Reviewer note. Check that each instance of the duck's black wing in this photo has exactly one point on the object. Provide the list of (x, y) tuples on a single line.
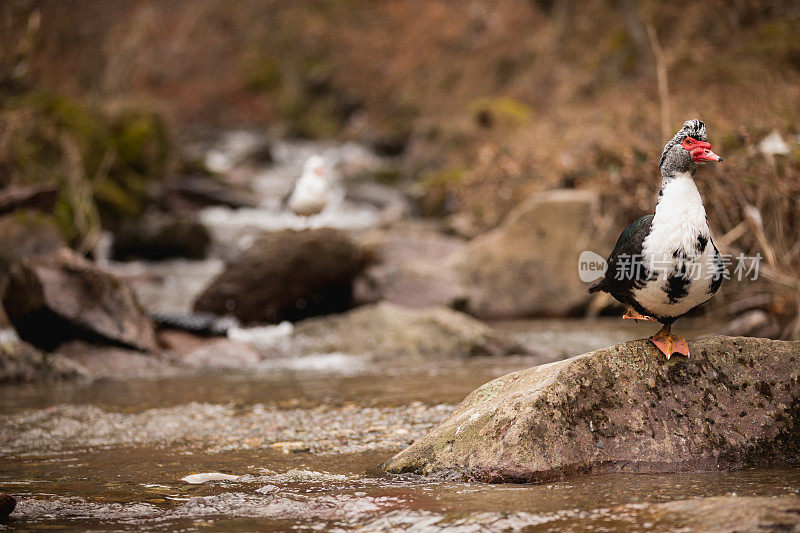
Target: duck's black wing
[(625, 268)]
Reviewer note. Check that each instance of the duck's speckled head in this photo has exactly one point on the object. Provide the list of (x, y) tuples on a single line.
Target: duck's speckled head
[(687, 149)]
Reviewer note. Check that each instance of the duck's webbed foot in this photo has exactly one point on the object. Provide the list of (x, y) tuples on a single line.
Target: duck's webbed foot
[(668, 343), (636, 315)]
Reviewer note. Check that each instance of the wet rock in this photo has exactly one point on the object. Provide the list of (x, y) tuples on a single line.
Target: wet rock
[(734, 403), (410, 266), (528, 265), (19, 361), (159, 236), (387, 331), (41, 197), (63, 296), (27, 233), (7, 505), (286, 275), (756, 323)]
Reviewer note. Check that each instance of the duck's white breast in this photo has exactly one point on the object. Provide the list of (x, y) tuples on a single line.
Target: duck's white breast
[(672, 247)]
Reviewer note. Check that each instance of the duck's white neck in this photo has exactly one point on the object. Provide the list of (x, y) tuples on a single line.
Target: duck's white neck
[(680, 217)]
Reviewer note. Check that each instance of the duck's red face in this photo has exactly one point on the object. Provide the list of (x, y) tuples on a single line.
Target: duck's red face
[(700, 150)]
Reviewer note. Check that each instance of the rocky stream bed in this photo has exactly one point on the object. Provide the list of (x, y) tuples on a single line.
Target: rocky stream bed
[(302, 448)]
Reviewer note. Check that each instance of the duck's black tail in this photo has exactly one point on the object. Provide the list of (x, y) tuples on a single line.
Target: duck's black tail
[(599, 286)]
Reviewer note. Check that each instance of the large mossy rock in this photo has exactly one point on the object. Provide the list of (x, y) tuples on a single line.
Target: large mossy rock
[(59, 297), (734, 403), (286, 275), (528, 266)]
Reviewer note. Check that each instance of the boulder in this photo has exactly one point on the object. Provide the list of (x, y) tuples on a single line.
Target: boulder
[(19, 361), (410, 266), (528, 265), (734, 403), (388, 331), (55, 298), (286, 275), (26, 233), (160, 236)]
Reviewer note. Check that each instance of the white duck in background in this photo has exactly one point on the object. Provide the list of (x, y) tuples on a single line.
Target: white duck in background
[(313, 191)]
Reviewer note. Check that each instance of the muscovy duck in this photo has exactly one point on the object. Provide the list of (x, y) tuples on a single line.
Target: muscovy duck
[(666, 264), (312, 192)]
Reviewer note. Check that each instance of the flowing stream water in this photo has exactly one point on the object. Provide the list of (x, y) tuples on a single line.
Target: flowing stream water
[(300, 442), (304, 446)]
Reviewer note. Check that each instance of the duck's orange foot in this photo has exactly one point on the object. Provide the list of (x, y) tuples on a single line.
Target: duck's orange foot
[(636, 315), (670, 344)]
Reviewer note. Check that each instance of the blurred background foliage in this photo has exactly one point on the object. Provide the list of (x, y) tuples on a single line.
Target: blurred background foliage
[(482, 102)]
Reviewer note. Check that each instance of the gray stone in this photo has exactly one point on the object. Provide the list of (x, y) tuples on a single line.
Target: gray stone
[(734, 403), (387, 331), (410, 266), (59, 297), (528, 266)]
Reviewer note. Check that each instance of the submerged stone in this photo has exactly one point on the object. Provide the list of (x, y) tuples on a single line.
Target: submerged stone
[(734, 403)]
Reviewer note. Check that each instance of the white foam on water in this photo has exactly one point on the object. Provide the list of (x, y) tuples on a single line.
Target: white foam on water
[(334, 362), (263, 338), (196, 479), (168, 286)]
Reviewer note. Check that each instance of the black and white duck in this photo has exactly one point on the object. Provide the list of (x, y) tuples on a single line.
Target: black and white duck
[(666, 264)]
